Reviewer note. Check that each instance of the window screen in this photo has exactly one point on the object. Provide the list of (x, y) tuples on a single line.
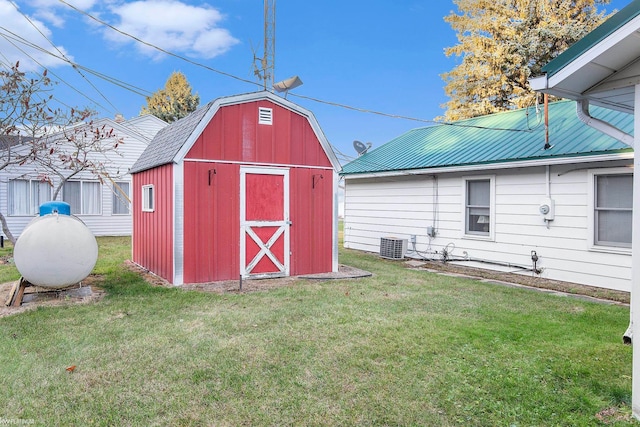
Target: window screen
[(478, 207), (613, 210)]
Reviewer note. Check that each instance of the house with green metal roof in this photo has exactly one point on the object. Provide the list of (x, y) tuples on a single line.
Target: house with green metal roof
[(511, 191)]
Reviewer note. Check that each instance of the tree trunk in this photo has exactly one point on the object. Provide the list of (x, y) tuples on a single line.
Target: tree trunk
[(5, 229)]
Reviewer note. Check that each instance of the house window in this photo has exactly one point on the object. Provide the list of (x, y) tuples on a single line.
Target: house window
[(477, 207), (120, 200), (148, 198), (26, 196), (84, 197), (613, 202), (265, 116)]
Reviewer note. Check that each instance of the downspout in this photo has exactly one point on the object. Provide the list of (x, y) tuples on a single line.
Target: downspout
[(582, 110), (635, 266), (546, 122)]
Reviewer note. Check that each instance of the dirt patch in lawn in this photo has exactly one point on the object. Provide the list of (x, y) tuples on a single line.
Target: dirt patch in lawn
[(35, 296), (252, 285), (255, 285), (531, 280)]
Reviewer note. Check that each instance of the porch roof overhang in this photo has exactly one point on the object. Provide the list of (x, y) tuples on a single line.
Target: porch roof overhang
[(602, 68)]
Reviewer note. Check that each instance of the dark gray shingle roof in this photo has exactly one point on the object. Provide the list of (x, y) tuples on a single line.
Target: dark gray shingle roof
[(168, 141)]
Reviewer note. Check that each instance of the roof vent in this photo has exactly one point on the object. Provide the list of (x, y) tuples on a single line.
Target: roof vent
[(265, 116)]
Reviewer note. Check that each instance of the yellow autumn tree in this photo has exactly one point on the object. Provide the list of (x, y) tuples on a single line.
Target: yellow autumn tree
[(174, 101), (502, 43)]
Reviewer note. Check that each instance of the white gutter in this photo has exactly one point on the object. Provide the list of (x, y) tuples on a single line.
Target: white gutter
[(582, 110)]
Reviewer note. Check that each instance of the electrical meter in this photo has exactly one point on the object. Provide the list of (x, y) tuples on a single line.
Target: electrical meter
[(547, 209)]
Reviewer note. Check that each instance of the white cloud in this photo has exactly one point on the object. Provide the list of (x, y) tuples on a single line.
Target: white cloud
[(173, 26), (18, 30), (54, 11)]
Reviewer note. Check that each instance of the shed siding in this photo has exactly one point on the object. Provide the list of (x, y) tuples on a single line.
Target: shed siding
[(312, 220), (212, 222), (153, 235), (233, 134), (212, 219), (406, 205)]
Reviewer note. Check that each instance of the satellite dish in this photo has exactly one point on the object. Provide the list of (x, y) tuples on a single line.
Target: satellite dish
[(361, 147)]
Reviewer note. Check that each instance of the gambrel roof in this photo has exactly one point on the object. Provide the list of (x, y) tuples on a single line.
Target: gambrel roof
[(508, 138), (172, 142)]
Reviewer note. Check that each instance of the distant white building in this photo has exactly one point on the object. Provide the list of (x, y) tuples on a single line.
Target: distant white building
[(103, 207)]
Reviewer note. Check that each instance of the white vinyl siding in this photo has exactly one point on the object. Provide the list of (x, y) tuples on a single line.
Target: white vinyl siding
[(136, 134), (26, 196), (406, 205)]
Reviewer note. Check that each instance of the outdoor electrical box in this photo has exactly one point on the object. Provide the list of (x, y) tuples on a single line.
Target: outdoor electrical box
[(548, 209), (431, 231)]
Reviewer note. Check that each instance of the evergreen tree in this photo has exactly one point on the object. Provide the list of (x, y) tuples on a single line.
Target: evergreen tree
[(173, 102), (504, 42)]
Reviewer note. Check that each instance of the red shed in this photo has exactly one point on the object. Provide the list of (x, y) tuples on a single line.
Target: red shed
[(244, 186)]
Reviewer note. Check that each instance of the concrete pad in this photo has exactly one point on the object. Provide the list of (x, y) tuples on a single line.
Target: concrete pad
[(344, 272)]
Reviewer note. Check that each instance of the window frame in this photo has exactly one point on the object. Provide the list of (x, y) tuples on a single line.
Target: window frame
[(466, 234), (148, 198), (82, 197), (592, 229), (117, 198), (33, 209)]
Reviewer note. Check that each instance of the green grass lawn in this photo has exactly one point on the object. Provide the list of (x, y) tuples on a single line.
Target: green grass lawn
[(403, 347)]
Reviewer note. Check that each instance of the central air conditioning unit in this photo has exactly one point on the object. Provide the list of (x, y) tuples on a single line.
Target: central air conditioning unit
[(393, 247)]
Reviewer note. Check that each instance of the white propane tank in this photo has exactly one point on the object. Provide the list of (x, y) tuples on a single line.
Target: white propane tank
[(55, 250)]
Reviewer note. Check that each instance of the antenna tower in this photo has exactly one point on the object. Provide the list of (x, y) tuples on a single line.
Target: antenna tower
[(264, 67)]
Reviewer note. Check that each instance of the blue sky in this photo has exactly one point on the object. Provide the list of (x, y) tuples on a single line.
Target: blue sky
[(376, 55)]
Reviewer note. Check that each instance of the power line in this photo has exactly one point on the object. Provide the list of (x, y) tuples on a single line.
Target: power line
[(335, 104), (396, 116), (175, 55), (127, 86), (64, 56), (8, 66)]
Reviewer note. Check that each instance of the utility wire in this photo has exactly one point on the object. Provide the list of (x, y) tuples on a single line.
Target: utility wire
[(9, 39), (340, 154), (115, 109), (132, 88), (335, 104), (8, 66), (396, 116), (175, 55)]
